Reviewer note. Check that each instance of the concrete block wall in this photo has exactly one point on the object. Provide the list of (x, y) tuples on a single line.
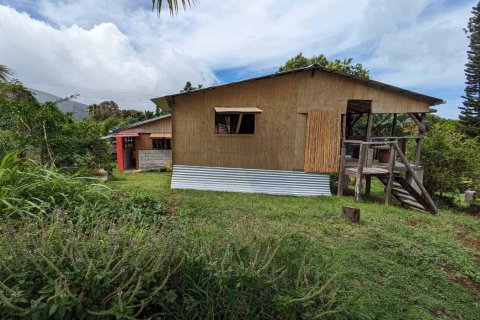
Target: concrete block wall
[(154, 159)]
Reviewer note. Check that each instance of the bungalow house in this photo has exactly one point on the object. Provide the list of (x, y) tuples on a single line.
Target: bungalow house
[(144, 145), (285, 133)]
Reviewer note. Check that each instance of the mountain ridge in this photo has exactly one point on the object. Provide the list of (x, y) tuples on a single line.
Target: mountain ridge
[(78, 110)]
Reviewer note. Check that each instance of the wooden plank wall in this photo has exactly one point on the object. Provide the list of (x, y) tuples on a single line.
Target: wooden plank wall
[(322, 150), (279, 140)]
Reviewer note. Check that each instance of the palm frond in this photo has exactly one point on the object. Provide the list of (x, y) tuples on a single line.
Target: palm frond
[(172, 5), (5, 72)]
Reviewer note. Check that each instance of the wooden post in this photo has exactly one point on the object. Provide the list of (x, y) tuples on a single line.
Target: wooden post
[(341, 175), (421, 131), (368, 185), (368, 136), (391, 172), (416, 179), (394, 124), (352, 214), (358, 183)]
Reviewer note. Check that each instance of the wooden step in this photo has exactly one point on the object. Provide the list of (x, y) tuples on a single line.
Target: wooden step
[(402, 197), (406, 194), (414, 204), (400, 191)]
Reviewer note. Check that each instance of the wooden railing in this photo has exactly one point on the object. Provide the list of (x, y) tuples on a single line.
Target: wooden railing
[(394, 151)]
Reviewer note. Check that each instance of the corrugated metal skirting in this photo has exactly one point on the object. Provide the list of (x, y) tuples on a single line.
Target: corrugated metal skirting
[(250, 180)]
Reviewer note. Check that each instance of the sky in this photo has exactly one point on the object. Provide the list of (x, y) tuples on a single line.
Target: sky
[(120, 50)]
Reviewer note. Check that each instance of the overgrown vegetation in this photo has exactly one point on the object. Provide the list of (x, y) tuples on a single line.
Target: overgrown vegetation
[(72, 248), (450, 158), (42, 131)]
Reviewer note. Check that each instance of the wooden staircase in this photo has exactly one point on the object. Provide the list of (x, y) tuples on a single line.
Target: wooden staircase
[(407, 195), (396, 184), (410, 194)]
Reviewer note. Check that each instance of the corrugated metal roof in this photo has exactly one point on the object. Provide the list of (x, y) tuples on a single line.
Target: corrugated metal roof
[(136, 124), (162, 101), (274, 182)]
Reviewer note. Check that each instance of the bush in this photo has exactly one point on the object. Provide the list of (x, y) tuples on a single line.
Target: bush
[(30, 191), (123, 271), (450, 158)]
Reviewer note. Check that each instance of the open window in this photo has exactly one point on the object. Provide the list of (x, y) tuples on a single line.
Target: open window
[(229, 120), (162, 144)]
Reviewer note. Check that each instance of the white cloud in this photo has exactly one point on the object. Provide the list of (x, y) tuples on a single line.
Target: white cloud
[(425, 52), (71, 59), (120, 45)]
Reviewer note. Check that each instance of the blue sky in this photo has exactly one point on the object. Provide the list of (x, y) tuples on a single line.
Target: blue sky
[(119, 50)]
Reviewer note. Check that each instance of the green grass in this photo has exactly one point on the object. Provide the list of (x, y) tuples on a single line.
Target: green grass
[(400, 263)]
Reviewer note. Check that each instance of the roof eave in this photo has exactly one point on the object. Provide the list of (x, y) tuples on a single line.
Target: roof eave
[(168, 100)]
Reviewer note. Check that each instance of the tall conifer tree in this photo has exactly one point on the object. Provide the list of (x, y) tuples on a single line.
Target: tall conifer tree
[(470, 111)]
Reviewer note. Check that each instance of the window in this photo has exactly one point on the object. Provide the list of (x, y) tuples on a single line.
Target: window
[(162, 144), (234, 123), (129, 143)]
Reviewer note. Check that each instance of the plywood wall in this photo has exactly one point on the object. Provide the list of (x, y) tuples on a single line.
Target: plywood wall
[(279, 140)]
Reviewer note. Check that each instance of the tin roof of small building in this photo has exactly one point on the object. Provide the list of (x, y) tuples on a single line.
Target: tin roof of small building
[(139, 123)]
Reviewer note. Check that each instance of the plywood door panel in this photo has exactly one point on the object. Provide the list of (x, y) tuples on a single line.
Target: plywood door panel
[(322, 149)]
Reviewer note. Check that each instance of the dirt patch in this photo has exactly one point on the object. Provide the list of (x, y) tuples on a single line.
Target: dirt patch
[(438, 313), (413, 222), (470, 243), (463, 230), (462, 281), (465, 282), (171, 209)]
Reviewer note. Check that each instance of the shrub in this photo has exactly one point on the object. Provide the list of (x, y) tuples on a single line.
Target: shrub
[(450, 158), (28, 190), (132, 271)]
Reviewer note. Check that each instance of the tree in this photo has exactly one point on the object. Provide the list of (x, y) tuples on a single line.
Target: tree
[(449, 157), (470, 111), (189, 87), (345, 65), (100, 112), (45, 132), (5, 72), (172, 5)]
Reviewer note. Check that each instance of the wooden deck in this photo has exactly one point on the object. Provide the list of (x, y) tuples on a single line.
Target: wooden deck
[(377, 168)]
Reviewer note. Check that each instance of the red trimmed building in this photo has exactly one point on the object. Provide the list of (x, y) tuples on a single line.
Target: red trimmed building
[(144, 145)]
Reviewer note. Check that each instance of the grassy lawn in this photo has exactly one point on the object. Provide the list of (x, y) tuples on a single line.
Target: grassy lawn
[(399, 263)]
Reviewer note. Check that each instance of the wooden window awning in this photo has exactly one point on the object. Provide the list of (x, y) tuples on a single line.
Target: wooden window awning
[(237, 110), (126, 134), (160, 135)]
